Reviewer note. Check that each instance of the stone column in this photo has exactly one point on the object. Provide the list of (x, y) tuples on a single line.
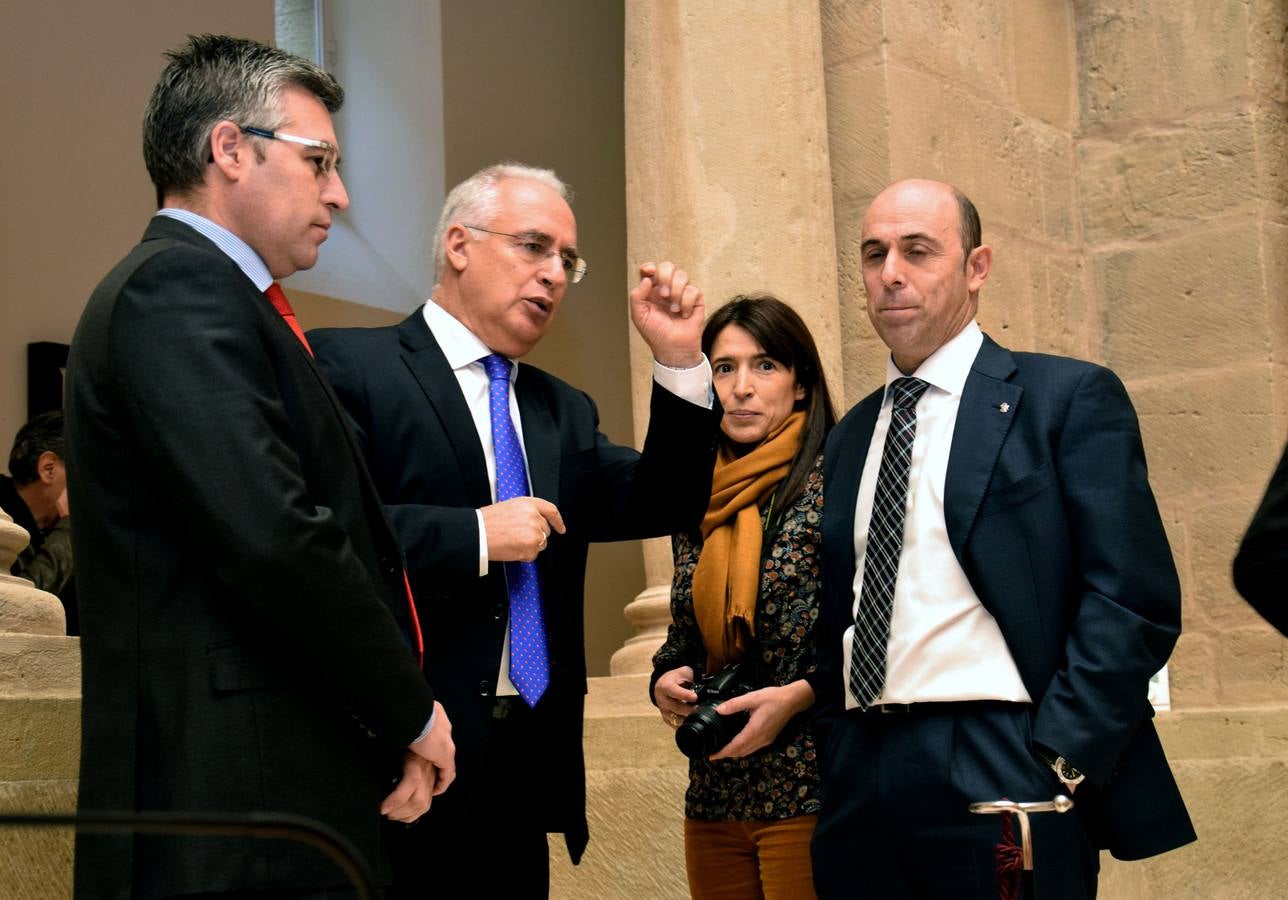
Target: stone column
[(39, 740), (727, 173), (23, 608)]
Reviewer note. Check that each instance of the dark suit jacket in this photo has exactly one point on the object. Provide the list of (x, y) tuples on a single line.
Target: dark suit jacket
[(428, 464), (1261, 566), (1050, 514), (240, 590)]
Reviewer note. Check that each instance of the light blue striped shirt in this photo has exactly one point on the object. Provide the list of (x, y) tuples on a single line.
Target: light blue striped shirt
[(236, 249)]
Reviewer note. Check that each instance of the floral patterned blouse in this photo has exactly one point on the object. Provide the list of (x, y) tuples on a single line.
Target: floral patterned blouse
[(781, 780)]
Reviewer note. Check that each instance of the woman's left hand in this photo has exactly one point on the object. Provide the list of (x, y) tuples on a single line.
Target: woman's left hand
[(771, 708)]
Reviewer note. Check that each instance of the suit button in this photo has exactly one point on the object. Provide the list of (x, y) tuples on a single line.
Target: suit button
[(485, 687), (498, 611)]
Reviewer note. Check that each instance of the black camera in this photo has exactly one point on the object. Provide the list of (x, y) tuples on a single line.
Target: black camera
[(705, 731)]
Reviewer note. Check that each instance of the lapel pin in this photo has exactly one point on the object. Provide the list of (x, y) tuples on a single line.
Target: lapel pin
[(1004, 407)]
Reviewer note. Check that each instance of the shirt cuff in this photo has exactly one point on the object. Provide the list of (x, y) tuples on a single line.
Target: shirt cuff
[(692, 384), (429, 726), (482, 544)]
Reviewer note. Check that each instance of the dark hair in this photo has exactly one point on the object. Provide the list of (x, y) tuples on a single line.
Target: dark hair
[(45, 432), (972, 230), (211, 78), (785, 337)]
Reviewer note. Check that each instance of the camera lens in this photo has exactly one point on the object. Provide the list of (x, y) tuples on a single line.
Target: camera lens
[(701, 734)]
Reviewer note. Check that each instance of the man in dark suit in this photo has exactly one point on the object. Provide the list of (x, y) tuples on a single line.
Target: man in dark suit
[(1261, 566), (436, 400), (241, 592), (999, 590)]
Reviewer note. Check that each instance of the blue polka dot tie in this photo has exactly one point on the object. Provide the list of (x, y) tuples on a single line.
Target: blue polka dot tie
[(529, 665)]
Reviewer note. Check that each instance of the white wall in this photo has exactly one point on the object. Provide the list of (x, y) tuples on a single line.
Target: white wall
[(389, 59), (74, 195)]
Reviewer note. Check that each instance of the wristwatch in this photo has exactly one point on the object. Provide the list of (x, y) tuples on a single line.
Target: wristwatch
[(1068, 775)]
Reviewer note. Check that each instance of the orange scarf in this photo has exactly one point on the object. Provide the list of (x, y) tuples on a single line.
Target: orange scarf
[(727, 578)]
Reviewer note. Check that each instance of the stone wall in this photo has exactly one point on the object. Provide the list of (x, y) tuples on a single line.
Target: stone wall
[(1128, 160), (1181, 174)]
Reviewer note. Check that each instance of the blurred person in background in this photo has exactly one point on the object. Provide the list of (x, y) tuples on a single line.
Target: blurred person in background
[(35, 495)]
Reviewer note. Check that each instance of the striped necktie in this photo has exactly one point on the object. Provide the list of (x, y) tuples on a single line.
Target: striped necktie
[(885, 540)]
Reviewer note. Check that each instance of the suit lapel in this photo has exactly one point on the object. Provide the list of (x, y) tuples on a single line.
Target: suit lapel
[(428, 365), (540, 436), (842, 482), (163, 227), (988, 407)]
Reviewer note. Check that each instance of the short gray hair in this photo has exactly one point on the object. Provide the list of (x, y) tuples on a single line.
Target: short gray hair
[(211, 78), (474, 201)]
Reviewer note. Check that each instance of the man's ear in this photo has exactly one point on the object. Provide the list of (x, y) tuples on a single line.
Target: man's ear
[(47, 466), (230, 150), (458, 237), (978, 265)]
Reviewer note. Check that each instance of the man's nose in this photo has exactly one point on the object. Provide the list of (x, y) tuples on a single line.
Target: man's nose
[(892, 271), (552, 270), (333, 194)]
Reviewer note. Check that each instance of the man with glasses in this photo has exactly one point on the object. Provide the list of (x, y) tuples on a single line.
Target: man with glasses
[(496, 478), (241, 592)]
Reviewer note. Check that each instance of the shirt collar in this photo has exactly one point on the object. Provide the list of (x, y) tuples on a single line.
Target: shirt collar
[(232, 246), (946, 368), (461, 346)]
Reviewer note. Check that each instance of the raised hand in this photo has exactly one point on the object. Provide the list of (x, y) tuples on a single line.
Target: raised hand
[(668, 313)]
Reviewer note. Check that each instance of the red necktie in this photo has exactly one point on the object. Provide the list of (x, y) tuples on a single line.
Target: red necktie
[(277, 297), (418, 640)]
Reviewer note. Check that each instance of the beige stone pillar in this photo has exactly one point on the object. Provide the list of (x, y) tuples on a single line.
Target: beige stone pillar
[(727, 173), (23, 608), (39, 740)]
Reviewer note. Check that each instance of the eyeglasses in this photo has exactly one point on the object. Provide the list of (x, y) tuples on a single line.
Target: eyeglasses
[(537, 247), (326, 163)]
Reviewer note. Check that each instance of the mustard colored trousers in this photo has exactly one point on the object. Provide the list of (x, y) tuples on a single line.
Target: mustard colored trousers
[(764, 859)]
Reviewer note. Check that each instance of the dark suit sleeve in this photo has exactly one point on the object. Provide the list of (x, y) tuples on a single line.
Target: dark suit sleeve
[(1261, 566), (662, 490), (1128, 615), (440, 541), (683, 645), (202, 392)]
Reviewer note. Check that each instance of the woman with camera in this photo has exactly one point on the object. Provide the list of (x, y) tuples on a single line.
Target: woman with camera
[(730, 677)]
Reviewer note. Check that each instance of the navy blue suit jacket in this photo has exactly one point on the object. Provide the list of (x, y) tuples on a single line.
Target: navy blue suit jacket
[(1261, 565), (1050, 514)]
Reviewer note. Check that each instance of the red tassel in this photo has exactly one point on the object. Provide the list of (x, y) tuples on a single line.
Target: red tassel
[(1010, 862)]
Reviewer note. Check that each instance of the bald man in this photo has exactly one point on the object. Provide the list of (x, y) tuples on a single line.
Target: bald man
[(999, 590)]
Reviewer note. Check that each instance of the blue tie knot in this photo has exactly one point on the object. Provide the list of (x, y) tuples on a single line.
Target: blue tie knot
[(907, 391), (496, 366)]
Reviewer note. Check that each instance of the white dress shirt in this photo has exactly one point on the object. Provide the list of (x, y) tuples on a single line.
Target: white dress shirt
[(463, 350), (944, 645)]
